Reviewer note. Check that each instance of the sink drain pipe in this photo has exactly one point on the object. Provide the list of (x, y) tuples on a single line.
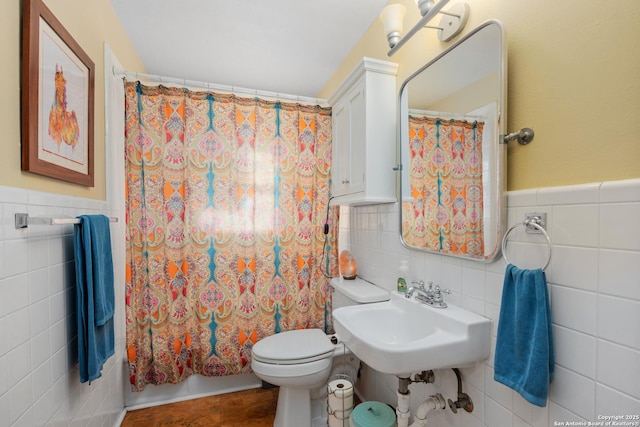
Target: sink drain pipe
[(403, 412), (433, 403)]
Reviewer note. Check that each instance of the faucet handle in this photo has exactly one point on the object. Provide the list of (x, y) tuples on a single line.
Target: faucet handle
[(439, 291), (437, 296)]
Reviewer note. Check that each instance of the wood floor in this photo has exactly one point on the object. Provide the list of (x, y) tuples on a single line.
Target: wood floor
[(249, 408)]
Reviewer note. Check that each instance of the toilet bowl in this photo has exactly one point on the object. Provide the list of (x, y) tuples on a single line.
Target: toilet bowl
[(301, 362)]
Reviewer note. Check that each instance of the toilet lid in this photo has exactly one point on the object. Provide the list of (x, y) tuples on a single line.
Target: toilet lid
[(292, 347)]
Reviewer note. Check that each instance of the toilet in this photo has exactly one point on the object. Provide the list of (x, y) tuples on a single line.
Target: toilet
[(301, 362)]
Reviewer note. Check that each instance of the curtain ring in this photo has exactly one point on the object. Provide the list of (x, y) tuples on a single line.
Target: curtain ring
[(526, 223)]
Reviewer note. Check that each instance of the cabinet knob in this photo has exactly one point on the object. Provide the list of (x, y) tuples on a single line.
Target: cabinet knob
[(345, 181)]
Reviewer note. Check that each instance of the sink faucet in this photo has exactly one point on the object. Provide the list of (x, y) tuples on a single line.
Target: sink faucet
[(431, 296), (418, 288)]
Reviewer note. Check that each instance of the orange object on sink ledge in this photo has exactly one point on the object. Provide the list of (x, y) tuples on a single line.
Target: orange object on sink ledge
[(348, 266)]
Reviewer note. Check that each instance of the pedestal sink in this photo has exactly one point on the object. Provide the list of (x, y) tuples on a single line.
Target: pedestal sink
[(402, 336)]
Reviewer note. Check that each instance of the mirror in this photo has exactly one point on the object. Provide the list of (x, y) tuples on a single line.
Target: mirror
[(453, 171)]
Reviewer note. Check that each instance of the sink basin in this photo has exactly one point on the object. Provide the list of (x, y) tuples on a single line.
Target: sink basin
[(402, 336)]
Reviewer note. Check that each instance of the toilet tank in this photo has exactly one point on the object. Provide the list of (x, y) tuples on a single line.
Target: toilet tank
[(356, 291)]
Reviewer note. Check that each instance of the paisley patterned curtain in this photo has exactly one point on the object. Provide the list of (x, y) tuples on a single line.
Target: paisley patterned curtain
[(226, 203), (446, 186)]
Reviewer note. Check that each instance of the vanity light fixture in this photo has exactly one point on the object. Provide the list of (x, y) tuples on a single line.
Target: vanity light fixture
[(392, 17), (451, 23)]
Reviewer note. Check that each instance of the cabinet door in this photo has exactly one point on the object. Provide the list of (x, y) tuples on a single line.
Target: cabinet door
[(340, 153), (357, 137), (364, 132)]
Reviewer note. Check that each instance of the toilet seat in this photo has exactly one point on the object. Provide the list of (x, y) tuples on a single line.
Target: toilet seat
[(274, 373), (293, 347)]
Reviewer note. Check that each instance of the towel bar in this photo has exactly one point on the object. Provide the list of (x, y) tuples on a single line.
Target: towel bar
[(534, 222), (23, 220)]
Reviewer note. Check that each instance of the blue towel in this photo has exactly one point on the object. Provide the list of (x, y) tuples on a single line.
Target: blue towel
[(95, 299), (524, 357)]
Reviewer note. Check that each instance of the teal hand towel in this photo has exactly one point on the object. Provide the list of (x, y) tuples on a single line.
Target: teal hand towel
[(95, 300), (524, 359)]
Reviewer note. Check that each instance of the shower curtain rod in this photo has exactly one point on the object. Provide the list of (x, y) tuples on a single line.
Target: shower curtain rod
[(444, 114), (237, 90)]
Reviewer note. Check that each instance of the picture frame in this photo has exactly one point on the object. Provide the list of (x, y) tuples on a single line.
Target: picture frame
[(57, 99)]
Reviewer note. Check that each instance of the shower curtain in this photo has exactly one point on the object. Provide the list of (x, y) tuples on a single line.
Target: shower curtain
[(226, 202), (445, 171)]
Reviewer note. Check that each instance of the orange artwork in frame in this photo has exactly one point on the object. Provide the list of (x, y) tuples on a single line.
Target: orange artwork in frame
[(58, 80)]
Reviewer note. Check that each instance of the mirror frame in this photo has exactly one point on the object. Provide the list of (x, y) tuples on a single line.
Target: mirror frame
[(499, 159)]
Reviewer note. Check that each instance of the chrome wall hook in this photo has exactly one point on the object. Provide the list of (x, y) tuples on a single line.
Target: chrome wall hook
[(524, 136)]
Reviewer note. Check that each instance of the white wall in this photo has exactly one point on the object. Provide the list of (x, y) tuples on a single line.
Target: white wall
[(39, 378), (594, 278)]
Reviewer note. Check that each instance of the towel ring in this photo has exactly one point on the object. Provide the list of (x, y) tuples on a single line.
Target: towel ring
[(525, 223)]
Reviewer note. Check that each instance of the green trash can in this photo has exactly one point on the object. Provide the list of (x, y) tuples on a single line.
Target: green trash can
[(372, 414)]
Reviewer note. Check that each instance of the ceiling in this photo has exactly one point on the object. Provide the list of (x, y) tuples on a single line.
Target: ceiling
[(285, 46)]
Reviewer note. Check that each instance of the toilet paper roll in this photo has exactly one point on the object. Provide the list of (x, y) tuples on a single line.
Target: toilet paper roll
[(339, 418), (340, 395)]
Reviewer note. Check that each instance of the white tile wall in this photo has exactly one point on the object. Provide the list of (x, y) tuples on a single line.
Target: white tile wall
[(594, 278), (39, 380)]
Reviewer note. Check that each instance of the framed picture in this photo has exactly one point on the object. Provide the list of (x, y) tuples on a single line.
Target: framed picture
[(58, 80)]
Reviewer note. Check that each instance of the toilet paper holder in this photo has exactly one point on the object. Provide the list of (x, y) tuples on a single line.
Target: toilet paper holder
[(340, 394)]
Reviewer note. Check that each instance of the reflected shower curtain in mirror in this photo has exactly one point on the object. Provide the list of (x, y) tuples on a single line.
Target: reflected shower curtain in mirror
[(226, 201), (445, 169)]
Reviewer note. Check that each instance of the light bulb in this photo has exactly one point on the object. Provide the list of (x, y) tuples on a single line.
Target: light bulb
[(424, 6), (392, 16)]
